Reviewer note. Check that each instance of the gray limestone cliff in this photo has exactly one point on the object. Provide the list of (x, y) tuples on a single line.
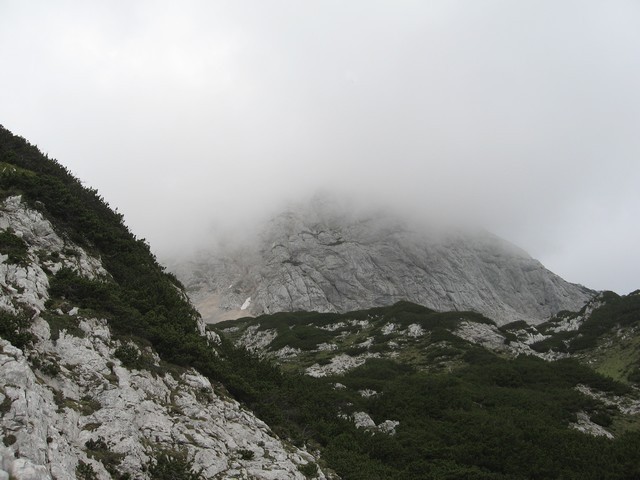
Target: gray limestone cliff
[(320, 257)]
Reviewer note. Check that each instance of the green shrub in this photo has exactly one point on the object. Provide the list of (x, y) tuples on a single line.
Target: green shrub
[(14, 247), (304, 337), (52, 369), (602, 418), (99, 450), (85, 471), (58, 323), (246, 454), (15, 328), (5, 405), (309, 470), (128, 354), (172, 465)]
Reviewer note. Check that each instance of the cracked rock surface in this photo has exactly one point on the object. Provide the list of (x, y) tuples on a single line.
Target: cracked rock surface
[(318, 257)]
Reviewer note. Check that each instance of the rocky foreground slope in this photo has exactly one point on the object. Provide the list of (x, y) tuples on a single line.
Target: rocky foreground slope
[(98, 347), (320, 257)]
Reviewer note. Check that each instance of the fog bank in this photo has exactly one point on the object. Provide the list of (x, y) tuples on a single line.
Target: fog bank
[(199, 117)]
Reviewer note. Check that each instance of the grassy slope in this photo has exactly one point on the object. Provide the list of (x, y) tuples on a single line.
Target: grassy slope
[(608, 340)]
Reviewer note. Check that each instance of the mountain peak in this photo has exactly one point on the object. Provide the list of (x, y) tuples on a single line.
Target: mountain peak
[(333, 255)]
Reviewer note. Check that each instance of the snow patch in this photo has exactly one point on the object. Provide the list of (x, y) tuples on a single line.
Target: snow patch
[(246, 304)]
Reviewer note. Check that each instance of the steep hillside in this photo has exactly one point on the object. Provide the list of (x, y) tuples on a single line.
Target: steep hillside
[(605, 334), (321, 257), (98, 347)]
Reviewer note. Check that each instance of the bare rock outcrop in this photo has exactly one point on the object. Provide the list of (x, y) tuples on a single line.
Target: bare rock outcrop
[(317, 257)]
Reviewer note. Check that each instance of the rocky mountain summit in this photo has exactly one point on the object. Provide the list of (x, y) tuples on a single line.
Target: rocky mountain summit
[(322, 257)]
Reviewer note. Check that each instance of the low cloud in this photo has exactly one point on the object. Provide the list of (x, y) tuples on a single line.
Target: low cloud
[(202, 116)]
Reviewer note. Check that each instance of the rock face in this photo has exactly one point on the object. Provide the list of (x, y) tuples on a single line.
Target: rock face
[(316, 257), (27, 283), (70, 408)]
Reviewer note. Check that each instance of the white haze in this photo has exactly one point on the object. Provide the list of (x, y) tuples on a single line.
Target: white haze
[(191, 117)]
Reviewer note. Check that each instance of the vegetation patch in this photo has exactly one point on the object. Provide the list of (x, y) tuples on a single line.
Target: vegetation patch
[(559, 342), (85, 471), (304, 337), (58, 323), (50, 368), (5, 405), (309, 470), (99, 450), (86, 405), (15, 329), (616, 312), (14, 247), (172, 465), (246, 454), (128, 354)]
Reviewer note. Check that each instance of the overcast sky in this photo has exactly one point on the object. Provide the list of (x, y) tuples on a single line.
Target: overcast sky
[(189, 116)]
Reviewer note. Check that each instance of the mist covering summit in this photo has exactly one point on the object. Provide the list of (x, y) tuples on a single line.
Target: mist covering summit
[(321, 256)]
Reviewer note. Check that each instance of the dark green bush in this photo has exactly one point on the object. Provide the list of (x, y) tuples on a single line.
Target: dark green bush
[(58, 323), (14, 247), (99, 450), (9, 440), (85, 471), (601, 418), (50, 368), (172, 465), (309, 470), (15, 328), (128, 354), (246, 454), (304, 337)]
